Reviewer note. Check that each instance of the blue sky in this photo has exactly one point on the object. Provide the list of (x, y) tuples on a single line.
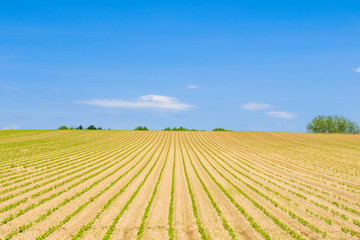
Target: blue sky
[(241, 65)]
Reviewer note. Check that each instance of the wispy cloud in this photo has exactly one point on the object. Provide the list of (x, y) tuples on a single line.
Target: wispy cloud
[(284, 115), (50, 103), (10, 88), (11, 128), (148, 101), (256, 106), (356, 70), (193, 86)]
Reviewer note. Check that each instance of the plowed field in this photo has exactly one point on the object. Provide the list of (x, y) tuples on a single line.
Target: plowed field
[(178, 185)]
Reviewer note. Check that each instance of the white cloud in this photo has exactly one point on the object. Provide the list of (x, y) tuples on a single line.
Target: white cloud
[(11, 128), (193, 86), (147, 101), (256, 106), (284, 115), (356, 70), (9, 88)]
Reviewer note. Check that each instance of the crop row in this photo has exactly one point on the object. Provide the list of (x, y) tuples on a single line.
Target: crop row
[(50, 211), (87, 226), (55, 179), (216, 207), (127, 204), (256, 204), (140, 232), (236, 204), (172, 193), (260, 193), (204, 235), (50, 160), (91, 199), (317, 204), (344, 207)]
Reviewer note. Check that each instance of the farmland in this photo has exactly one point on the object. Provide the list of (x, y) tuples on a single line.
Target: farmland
[(178, 185)]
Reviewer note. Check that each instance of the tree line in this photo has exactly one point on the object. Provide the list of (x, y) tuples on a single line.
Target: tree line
[(319, 124), (179, 129), (139, 128), (91, 127)]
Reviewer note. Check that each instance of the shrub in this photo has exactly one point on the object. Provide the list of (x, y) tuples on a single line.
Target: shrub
[(141, 128), (63, 128), (91, 127), (219, 129)]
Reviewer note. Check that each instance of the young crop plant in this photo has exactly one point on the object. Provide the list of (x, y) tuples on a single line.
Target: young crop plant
[(219, 212), (172, 196), (204, 235), (122, 211), (64, 221), (242, 210), (32, 206), (81, 232), (256, 204), (50, 211), (146, 213), (60, 185)]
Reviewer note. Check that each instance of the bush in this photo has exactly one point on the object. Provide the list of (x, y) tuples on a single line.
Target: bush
[(63, 128), (91, 127), (332, 124), (219, 129), (141, 128), (180, 129)]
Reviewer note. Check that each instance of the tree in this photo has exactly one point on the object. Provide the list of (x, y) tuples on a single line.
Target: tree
[(63, 128), (81, 127), (219, 129), (180, 129), (141, 128), (91, 127), (332, 124)]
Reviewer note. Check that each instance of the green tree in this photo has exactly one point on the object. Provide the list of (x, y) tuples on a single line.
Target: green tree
[(141, 128), (219, 129), (91, 127), (180, 129), (81, 127), (63, 128), (167, 129), (332, 124)]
